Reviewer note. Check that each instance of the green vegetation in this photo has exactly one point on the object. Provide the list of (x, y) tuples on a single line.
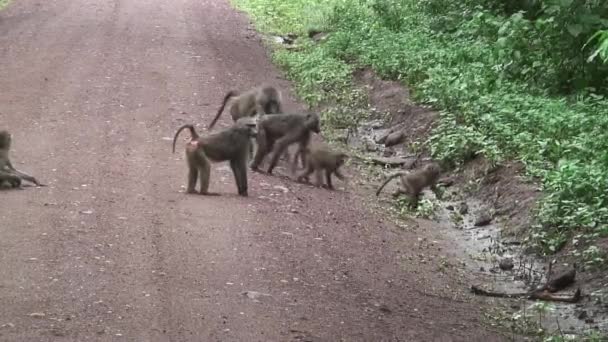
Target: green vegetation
[(4, 3), (524, 80)]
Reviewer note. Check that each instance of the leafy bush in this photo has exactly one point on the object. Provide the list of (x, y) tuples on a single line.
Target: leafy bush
[(514, 80)]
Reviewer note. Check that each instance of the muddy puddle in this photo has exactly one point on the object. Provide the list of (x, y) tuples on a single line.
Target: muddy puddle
[(495, 262)]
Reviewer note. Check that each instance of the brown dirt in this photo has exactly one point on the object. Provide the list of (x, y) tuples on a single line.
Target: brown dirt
[(505, 188), (113, 250)]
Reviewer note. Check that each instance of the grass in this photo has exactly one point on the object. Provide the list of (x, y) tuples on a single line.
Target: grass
[(475, 69), (4, 3)]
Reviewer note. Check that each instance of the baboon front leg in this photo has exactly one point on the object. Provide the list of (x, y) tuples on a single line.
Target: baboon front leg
[(192, 178), (304, 175), (302, 148), (328, 179), (23, 175), (239, 169), (319, 178), (339, 175)]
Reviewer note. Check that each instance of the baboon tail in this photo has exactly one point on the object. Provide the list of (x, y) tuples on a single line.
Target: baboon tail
[(193, 134), (388, 179), (230, 94)]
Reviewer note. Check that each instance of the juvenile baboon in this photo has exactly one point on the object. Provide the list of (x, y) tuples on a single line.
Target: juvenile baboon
[(9, 176), (277, 131), (261, 100), (231, 145), (320, 158), (412, 183)]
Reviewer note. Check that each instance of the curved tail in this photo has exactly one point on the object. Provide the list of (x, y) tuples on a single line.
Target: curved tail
[(394, 175), (193, 134), (230, 94)]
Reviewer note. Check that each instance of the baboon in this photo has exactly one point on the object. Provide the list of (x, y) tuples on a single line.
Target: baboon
[(412, 183), (277, 131), (9, 176), (261, 100), (321, 158), (231, 145)]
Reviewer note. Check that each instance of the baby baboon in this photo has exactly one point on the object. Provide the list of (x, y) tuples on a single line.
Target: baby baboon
[(412, 183), (277, 131), (9, 176), (231, 144), (321, 158), (261, 100)]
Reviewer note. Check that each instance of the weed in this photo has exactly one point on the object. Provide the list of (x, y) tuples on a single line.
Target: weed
[(514, 80)]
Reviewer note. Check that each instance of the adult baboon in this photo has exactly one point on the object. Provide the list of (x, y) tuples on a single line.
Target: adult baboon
[(231, 145), (261, 100), (277, 131)]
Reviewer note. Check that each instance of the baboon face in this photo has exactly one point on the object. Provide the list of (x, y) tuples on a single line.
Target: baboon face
[(433, 169), (342, 157), (248, 125)]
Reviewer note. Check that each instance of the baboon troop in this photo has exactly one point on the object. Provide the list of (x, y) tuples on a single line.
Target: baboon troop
[(257, 116)]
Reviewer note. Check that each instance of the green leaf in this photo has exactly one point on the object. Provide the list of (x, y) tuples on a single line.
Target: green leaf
[(575, 29)]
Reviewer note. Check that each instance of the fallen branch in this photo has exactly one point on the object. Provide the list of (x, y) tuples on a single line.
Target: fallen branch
[(532, 295)]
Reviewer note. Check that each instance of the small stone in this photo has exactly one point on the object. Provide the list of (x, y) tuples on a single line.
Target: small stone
[(37, 315), (394, 138), (506, 264), (282, 188), (463, 208), (582, 315), (254, 294), (483, 219)]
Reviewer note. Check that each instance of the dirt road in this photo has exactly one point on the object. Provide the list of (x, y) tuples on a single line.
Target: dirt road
[(113, 250)]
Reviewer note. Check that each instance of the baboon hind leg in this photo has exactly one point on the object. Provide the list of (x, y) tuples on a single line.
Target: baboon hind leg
[(279, 147), (204, 173)]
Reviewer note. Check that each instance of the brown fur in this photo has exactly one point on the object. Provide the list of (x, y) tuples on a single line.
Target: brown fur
[(261, 100), (277, 131), (412, 183), (231, 145), (321, 158)]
